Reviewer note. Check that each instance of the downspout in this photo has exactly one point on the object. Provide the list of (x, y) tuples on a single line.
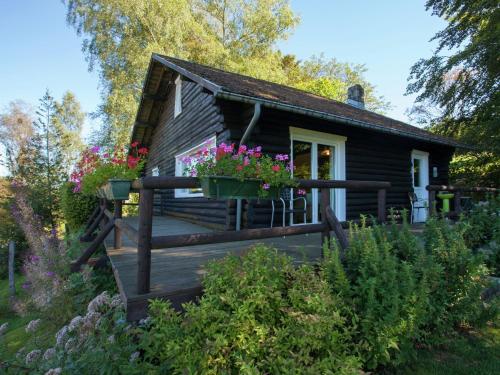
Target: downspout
[(246, 135), (253, 122)]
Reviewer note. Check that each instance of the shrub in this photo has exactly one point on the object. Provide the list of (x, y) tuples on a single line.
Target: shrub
[(76, 207), (385, 296), (456, 277), (258, 315), (482, 223)]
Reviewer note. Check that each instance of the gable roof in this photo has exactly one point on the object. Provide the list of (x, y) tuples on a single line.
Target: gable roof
[(232, 86)]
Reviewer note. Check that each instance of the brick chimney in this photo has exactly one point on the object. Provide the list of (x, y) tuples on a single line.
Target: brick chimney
[(356, 96)]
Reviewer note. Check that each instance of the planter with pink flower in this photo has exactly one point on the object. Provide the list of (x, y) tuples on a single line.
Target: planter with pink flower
[(108, 173), (226, 172)]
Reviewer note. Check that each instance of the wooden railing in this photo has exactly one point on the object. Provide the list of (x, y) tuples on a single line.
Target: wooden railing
[(146, 242), (457, 190)]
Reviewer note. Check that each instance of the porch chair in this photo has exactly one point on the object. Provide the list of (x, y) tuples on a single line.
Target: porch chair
[(416, 204), (286, 198)]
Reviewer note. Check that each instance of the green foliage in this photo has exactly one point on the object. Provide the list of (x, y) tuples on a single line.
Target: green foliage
[(9, 231), (235, 35), (258, 315), (76, 207), (476, 169)]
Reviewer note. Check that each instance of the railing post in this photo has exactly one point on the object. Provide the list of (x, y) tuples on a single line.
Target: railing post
[(432, 201), (144, 244), (458, 207), (381, 202), (325, 203), (118, 231)]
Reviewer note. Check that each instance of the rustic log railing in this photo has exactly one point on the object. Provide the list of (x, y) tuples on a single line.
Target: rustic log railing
[(145, 241), (457, 190)]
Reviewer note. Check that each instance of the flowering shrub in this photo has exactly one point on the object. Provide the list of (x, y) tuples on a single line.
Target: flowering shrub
[(242, 163), (98, 165)]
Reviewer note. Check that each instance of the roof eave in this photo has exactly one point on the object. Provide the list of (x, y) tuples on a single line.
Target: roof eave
[(331, 117)]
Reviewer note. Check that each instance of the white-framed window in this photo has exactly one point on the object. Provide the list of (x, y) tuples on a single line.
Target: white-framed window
[(155, 172), (180, 166), (178, 97)]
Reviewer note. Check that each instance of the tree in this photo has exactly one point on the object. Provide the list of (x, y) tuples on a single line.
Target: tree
[(16, 128), (235, 35), (331, 79), (462, 78), (68, 122)]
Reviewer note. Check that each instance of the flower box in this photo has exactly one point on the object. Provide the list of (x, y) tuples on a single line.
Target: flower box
[(117, 189), (224, 187)]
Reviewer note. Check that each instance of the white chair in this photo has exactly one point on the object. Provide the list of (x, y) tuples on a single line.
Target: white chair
[(286, 198), (416, 204)]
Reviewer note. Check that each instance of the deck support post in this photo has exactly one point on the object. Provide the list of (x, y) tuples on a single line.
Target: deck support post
[(144, 245), (118, 231), (325, 203), (458, 207), (381, 203), (432, 202)]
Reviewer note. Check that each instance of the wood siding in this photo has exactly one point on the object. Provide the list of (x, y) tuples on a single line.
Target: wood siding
[(199, 120), (370, 155)]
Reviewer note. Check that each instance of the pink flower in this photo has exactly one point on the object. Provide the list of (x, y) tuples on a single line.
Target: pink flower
[(134, 144), (282, 157), (301, 192), (276, 168), (142, 151), (242, 149), (95, 149), (246, 161), (239, 168)]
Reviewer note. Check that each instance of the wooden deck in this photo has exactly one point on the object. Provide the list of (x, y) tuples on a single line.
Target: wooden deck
[(176, 272)]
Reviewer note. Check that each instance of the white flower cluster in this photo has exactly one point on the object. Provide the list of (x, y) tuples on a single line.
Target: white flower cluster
[(33, 356), (98, 303), (49, 353), (54, 371), (33, 325), (3, 329)]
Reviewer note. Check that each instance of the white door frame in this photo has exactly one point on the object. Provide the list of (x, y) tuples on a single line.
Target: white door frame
[(421, 192), (338, 142)]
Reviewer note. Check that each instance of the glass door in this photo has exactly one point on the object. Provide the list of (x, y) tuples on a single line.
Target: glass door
[(312, 160), (302, 161)]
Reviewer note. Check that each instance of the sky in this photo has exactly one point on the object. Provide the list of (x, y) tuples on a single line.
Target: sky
[(39, 51)]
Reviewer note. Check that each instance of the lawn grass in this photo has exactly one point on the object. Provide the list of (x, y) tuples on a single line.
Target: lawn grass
[(16, 336), (471, 352)]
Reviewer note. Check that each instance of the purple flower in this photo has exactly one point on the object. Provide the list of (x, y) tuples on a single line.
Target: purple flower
[(258, 149), (95, 149), (266, 186), (50, 274), (282, 157), (301, 192), (26, 286)]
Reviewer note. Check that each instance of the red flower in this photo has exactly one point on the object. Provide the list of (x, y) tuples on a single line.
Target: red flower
[(134, 144), (132, 161), (239, 167), (276, 168), (142, 151), (257, 154)]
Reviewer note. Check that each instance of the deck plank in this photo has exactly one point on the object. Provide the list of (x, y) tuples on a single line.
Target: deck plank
[(176, 273)]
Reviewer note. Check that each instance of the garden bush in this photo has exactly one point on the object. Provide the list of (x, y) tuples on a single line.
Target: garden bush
[(258, 314), (76, 207)]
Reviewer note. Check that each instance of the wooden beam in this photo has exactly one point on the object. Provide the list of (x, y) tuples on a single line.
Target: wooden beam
[(162, 242), (155, 97), (118, 231), (146, 197), (336, 226), (324, 205), (93, 246), (88, 234), (92, 217), (143, 124), (171, 182), (470, 189)]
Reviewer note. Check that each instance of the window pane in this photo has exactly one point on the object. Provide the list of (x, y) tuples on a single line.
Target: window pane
[(325, 170), (416, 172)]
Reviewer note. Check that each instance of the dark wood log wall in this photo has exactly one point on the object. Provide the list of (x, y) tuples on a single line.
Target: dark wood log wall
[(200, 119), (370, 155)]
